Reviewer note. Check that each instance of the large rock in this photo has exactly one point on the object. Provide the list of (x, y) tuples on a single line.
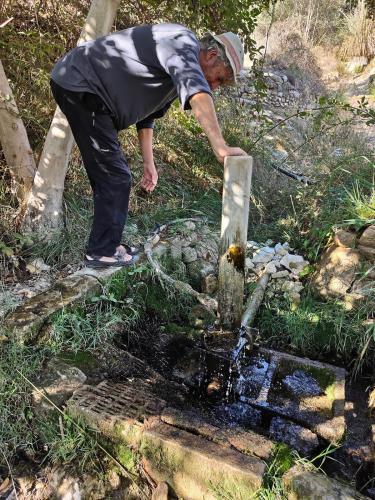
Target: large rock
[(302, 484), (198, 270), (368, 252), (345, 239), (58, 382), (189, 255), (337, 271), (293, 262), (209, 284), (25, 322), (207, 249), (368, 237)]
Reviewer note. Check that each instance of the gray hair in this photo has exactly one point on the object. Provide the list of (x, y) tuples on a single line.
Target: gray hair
[(208, 42)]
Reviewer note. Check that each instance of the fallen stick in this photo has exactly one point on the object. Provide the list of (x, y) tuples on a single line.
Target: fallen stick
[(209, 303), (254, 301)]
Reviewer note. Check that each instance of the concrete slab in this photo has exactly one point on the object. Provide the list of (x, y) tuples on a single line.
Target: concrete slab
[(25, 322), (323, 413), (189, 461)]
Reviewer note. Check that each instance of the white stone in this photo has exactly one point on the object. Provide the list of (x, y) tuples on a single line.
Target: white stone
[(37, 265), (262, 258), (280, 274), (249, 264), (295, 297), (270, 268), (292, 261), (283, 251), (259, 268), (267, 249), (292, 286), (189, 254), (252, 244), (160, 250), (176, 252), (269, 242), (189, 225), (155, 240)]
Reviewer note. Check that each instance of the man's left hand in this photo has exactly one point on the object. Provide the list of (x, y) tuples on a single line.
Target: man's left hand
[(150, 177)]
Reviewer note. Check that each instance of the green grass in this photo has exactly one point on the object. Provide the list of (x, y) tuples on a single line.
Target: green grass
[(16, 413), (316, 328), (83, 329), (70, 442), (282, 460), (360, 204)]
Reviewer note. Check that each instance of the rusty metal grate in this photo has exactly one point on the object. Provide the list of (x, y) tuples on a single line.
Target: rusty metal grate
[(131, 400)]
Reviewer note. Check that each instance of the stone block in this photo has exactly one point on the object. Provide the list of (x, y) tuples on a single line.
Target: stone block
[(345, 239), (280, 274), (193, 466), (57, 381), (368, 252), (302, 484), (297, 437), (293, 261), (189, 255), (337, 271), (197, 468), (322, 413), (262, 257), (26, 320)]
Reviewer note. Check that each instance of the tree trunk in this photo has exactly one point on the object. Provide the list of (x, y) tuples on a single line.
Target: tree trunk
[(15, 143), (44, 210)]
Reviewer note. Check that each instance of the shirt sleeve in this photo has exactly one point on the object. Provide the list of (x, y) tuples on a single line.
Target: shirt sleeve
[(181, 62), (149, 121)]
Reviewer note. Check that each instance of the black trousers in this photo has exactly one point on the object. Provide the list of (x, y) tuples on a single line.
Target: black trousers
[(96, 136)]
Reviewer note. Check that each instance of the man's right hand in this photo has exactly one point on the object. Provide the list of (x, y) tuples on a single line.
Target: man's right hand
[(150, 177), (223, 151)]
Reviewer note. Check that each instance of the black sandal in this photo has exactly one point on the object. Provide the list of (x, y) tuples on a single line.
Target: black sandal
[(95, 262), (130, 250)]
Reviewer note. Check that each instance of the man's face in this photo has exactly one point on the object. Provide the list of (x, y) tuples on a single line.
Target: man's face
[(216, 72)]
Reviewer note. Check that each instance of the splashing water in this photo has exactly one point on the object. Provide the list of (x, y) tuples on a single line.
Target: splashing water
[(235, 367)]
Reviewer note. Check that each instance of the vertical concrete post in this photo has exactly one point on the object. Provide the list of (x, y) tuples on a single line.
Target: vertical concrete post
[(234, 222)]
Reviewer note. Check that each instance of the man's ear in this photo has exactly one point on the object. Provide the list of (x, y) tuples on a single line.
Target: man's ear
[(211, 55)]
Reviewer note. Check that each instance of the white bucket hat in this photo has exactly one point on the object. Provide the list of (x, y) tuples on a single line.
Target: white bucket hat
[(233, 50)]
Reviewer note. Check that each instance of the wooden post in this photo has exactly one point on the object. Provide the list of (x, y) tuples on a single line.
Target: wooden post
[(234, 222)]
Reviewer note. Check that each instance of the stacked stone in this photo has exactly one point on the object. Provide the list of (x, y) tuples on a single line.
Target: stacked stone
[(197, 247), (281, 90), (283, 266), (346, 269)]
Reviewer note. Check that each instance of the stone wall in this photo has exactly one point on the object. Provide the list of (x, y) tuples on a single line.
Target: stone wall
[(347, 268)]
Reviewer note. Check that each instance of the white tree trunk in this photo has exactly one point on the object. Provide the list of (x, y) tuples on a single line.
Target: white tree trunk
[(44, 210), (15, 143)]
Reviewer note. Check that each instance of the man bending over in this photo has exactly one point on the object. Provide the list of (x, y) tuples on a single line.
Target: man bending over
[(132, 77)]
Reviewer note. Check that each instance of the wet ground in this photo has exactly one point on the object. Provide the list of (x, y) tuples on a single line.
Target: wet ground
[(288, 402)]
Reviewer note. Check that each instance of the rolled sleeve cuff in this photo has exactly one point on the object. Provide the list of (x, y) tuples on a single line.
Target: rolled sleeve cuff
[(186, 104), (146, 123)]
